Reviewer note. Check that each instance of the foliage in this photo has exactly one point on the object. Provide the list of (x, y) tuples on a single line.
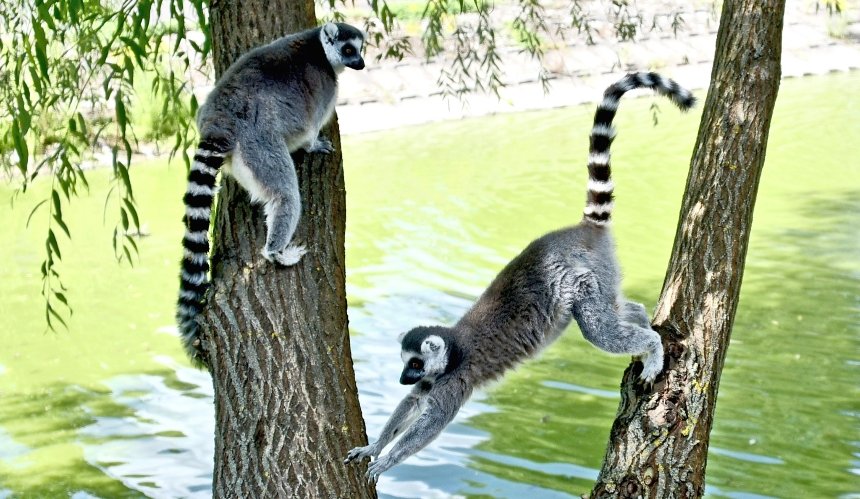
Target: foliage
[(468, 34), (69, 70)]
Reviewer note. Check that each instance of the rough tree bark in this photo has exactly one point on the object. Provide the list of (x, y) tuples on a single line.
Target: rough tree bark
[(659, 441), (286, 404)]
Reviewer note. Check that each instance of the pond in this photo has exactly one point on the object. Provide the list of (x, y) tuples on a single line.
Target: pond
[(110, 407)]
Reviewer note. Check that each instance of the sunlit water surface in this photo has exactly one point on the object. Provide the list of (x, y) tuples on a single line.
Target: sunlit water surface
[(110, 408)]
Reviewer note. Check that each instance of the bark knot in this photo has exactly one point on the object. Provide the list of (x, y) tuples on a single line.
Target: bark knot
[(629, 487)]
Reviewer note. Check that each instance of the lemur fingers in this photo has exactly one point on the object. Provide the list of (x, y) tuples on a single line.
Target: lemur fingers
[(652, 365), (359, 453), (378, 467)]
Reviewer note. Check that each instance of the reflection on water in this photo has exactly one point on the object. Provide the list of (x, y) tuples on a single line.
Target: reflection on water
[(10, 450), (81, 416), (744, 456), (164, 446)]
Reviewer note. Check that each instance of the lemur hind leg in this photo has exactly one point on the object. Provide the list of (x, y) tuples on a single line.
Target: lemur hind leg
[(268, 161), (614, 332), (281, 221)]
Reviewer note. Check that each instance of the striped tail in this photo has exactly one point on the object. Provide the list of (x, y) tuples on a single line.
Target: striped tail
[(193, 281), (598, 207)]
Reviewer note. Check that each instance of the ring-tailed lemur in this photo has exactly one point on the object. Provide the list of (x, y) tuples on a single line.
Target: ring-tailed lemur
[(270, 102), (568, 274)]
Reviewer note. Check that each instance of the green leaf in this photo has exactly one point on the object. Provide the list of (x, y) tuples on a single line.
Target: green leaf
[(129, 68), (20, 147), (62, 225), (103, 55), (82, 124), (74, 7), (55, 197), (51, 311), (128, 150), (58, 212), (130, 240), (53, 246), (138, 51), (82, 176), (34, 210), (41, 49), (121, 116), (45, 16), (24, 116), (126, 180), (132, 211)]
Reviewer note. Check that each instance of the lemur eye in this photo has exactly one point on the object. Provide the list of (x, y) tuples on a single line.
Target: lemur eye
[(415, 364), (348, 50)]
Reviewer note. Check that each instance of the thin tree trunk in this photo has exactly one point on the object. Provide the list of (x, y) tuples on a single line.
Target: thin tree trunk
[(286, 404), (659, 442)]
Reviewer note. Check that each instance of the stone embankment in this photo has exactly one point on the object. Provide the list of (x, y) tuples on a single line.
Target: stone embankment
[(392, 95)]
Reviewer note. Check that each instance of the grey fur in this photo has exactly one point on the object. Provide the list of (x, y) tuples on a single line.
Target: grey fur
[(271, 102), (569, 274)]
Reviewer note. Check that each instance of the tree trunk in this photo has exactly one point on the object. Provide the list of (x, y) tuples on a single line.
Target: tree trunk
[(286, 404), (659, 442)]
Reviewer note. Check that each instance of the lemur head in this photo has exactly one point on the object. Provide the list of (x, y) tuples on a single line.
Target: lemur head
[(342, 44), (427, 353)]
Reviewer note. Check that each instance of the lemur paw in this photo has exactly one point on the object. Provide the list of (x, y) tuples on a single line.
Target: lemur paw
[(322, 145), (651, 367), (360, 453), (287, 257), (377, 468)]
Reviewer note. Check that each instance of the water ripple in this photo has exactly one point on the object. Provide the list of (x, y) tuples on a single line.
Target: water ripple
[(165, 448)]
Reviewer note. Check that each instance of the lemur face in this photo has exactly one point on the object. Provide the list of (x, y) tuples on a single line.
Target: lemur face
[(350, 54), (425, 356), (342, 44)]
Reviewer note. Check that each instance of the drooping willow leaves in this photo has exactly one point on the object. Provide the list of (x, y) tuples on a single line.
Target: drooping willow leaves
[(72, 72)]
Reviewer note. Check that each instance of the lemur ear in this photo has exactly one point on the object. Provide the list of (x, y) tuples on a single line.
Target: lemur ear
[(401, 336), (432, 345), (330, 30)]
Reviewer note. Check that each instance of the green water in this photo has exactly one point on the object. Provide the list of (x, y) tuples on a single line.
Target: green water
[(110, 408)]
